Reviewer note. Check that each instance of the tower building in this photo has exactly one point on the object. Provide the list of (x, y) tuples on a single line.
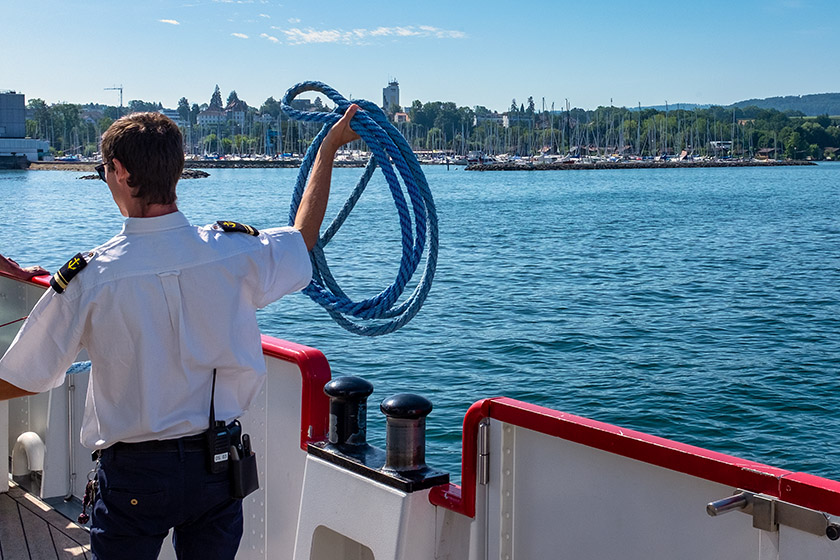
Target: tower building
[(391, 96)]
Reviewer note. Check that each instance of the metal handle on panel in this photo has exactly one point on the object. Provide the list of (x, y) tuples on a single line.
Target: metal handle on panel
[(738, 501)]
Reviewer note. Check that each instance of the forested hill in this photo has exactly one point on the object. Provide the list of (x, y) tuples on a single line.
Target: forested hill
[(810, 105)]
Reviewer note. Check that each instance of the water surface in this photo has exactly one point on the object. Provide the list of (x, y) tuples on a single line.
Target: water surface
[(701, 305)]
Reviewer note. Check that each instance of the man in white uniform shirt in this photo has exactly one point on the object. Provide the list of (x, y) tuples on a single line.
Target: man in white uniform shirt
[(165, 311)]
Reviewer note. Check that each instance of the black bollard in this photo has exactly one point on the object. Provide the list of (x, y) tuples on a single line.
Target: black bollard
[(405, 436), (348, 411), (402, 465)]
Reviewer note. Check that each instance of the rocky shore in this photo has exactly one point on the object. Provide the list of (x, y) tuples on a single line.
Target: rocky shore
[(628, 165), (185, 174)]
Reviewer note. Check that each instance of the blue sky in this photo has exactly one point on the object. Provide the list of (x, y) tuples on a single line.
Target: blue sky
[(473, 53)]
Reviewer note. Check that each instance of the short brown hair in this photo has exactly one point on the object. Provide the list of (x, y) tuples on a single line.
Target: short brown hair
[(150, 146)]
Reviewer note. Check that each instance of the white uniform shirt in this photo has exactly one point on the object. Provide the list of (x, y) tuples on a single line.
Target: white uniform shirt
[(158, 307)]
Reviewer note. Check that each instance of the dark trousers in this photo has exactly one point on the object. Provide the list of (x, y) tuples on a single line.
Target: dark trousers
[(142, 495)]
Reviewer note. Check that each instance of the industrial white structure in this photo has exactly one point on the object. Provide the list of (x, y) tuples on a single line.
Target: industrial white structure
[(13, 141)]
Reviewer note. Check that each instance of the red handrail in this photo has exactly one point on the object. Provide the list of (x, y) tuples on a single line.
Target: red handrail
[(798, 488)]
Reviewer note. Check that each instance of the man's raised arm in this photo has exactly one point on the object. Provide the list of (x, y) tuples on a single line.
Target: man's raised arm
[(313, 204)]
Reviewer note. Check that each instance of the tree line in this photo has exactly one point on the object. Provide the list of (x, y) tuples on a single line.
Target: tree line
[(522, 130)]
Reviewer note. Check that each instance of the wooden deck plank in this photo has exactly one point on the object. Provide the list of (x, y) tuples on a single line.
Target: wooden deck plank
[(31, 529), (68, 548), (38, 537)]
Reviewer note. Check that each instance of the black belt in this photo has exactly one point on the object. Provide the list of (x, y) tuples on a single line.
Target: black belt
[(187, 443)]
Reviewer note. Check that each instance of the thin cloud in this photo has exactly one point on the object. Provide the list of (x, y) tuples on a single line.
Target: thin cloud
[(297, 36), (240, 35), (269, 37), (170, 21), (265, 16), (294, 20)]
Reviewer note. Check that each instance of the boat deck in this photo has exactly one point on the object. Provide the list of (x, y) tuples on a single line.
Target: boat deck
[(33, 530)]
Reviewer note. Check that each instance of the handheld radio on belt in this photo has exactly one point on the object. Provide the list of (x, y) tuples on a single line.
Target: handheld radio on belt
[(218, 438), (228, 447)]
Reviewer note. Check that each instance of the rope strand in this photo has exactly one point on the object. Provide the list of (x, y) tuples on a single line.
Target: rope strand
[(390, 150)]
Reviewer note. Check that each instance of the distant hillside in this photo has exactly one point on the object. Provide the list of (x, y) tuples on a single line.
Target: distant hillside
[(673, 106), (811, 105)]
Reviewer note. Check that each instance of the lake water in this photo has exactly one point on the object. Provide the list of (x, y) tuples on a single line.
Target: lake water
[(701, 305)]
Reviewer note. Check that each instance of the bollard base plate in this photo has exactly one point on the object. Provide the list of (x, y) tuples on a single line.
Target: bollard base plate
[(369, 462)]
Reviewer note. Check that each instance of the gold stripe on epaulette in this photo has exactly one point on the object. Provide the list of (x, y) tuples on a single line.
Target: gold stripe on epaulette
[(60, 279)]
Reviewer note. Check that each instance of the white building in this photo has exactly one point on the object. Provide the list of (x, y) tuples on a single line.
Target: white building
[(174, 115), (391, 95), (211, 116)]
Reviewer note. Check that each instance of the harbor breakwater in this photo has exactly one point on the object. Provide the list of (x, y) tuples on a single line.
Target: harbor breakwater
[(629, 165)]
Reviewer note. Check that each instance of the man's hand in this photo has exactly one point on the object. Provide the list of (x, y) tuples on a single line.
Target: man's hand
[(341, 133), (313, 204), (10, 267)]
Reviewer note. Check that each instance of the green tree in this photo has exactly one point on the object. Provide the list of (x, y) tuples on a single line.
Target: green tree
[(795, 146), (824, 120), (40, 119), (65, 117), (232, 98), (105, 122), (435, 139), (216, 99), (271, 107), (184, 109), (112, 112), (138, 106)]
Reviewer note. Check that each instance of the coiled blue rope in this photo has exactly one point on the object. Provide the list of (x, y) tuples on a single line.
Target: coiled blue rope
[(381, 314), (78, 367)]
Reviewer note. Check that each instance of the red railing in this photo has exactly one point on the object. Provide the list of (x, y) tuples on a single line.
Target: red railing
[(798, 488)]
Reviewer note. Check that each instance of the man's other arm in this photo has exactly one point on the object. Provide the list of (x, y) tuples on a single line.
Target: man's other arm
[(10, 267), (9, 391)]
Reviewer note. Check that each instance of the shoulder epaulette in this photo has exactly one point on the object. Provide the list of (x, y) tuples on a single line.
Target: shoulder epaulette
[(236, 226), (67, 272)]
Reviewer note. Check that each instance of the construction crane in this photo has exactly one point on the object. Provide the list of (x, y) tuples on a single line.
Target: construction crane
[(120, 88)]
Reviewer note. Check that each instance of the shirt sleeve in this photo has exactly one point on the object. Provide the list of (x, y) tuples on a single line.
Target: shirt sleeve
[(45, 346), (284, 264)]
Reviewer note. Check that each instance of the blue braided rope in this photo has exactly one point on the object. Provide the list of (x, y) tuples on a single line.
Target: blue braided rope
[(381, 313), (78, 367)]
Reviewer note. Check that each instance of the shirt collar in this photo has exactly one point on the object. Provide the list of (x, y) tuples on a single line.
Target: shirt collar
[(172, 220)]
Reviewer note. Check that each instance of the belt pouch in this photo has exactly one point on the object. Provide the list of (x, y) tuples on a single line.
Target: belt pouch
[(243, 476)]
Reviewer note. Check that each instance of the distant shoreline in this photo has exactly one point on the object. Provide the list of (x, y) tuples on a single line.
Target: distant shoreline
[(629, 165), (246, 164)]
